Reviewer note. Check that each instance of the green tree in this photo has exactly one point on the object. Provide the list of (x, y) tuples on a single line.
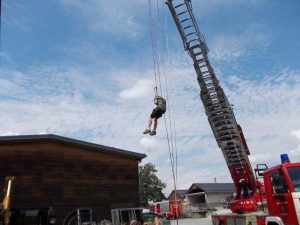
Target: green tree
[(150, 185)]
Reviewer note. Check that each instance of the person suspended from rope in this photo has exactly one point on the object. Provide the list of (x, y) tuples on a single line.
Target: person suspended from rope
[(157, 112)]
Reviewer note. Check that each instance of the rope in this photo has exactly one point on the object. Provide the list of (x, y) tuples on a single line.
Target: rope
[(154, 47), (169, 112), (155, 91), (167, 92), (156, 67), (171, 152), (170, 140), (168, 61), (152, 38)]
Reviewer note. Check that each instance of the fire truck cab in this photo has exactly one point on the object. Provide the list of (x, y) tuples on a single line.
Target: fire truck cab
[(282, 195), (280, 188), (282, 185)]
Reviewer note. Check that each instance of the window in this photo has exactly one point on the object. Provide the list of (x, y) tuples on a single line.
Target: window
[(294, 173), (278, 181)]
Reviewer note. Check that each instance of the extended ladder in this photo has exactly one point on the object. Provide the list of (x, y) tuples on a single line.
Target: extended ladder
[(226, 130)]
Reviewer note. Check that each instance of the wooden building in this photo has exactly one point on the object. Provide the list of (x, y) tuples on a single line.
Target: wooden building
[(63, 173), (178, 195)]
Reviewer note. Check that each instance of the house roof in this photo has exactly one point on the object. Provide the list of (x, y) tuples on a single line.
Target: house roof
[(181, 193), (52, 137), (211, 187)]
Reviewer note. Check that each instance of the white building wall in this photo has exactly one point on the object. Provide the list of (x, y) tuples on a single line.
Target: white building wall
[(215, 197)]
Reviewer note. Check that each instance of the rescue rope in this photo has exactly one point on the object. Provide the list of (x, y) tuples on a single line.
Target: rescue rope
[(170, 139), (170, 118), (154, 47), (170, 142)]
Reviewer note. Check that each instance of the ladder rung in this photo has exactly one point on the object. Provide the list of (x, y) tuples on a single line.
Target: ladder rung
[(231, 152), (179, 5), (234, 156), (225, 133), (232, 136), (201, 65), (199, 53), (196, 39), (213, 95), (195, 46), (200, 60), (182, 21), (215, 101), (190, 34), (182, 13), (187, 27), (209, 88)]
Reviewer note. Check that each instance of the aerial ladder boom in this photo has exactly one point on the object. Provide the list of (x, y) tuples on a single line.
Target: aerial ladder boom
[(226, 130)]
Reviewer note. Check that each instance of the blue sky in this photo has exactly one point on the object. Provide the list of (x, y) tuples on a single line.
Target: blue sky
[(83, 69)]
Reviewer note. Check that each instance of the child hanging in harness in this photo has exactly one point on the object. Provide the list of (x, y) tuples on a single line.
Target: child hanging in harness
[(157, 112)]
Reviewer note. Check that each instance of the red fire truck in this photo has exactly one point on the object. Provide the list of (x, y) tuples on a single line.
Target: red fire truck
[(170, 209), (275, 198)]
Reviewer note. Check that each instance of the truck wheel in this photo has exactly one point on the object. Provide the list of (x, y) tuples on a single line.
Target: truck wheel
[(133, 222), (272, 223)]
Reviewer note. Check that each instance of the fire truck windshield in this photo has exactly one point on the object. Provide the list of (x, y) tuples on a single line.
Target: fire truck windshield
[(294, 173)]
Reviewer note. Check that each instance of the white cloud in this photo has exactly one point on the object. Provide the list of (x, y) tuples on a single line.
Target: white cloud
[(231, 46), (110, 17), (296, 134), (261, 158), (140, 89), (76, 104), (296, 151), (9, 133), (149, 144)]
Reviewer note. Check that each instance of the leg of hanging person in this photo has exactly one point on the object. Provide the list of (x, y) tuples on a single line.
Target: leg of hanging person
[(155, 124), (149, 123), (153, 132), (148, 130)]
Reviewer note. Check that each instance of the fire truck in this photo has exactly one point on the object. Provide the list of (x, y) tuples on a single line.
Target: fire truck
[(270, 196), (170, 209)]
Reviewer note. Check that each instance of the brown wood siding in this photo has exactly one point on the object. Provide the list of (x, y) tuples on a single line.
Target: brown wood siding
[(178, 197), (66, 177)]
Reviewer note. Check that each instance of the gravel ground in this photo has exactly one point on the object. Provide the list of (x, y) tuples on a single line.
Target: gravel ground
[(198, 221), (193, 221)]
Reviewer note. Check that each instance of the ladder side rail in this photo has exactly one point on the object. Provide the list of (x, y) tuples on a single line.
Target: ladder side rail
[(247, 170), (177, 22), (201, 39)]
